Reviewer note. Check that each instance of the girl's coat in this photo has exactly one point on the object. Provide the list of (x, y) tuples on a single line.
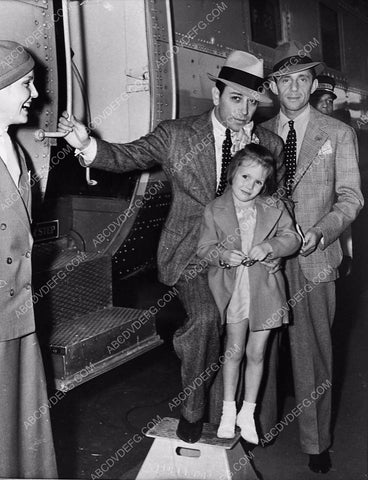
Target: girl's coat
[(220, 230)]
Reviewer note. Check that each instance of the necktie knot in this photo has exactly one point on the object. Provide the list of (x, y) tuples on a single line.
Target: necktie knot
[(291, 124)]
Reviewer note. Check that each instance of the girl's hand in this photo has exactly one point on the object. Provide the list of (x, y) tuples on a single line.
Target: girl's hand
[(260, 252), (77, 134), (232, 257)]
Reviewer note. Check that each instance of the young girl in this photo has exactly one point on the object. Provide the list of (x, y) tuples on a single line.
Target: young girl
[(240, 231)]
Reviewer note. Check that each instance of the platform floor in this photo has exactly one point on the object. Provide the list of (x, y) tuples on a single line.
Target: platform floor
[(110, 413)]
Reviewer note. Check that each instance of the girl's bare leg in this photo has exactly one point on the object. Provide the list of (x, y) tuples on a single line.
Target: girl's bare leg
[(255, 351)]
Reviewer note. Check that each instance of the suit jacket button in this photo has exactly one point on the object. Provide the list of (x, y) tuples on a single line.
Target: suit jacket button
[(11, 292), (28, 253), (9, 260), (3, 226)]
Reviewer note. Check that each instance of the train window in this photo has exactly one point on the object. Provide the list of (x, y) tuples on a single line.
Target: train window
[(330, 36), (265, 22)]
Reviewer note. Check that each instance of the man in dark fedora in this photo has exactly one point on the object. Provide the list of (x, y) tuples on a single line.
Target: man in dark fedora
[(323, 184), (196, 176)]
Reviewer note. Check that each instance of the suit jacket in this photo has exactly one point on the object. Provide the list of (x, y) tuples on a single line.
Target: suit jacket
[(17, 318), (326, 191), (267, 290), (185, 148)]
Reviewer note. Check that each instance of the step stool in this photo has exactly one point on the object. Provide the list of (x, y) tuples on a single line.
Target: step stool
[(211, 458)]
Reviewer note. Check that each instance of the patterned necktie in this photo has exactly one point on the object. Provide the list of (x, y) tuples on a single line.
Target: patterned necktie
[(226, 159), (290, 157)]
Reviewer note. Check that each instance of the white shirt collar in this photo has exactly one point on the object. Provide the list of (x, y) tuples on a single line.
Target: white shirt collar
[(218, 128), (301, 118)]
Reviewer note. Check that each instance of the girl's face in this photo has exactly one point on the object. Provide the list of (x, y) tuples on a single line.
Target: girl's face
[(248, 181)]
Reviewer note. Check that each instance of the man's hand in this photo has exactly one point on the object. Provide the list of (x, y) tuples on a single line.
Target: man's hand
[(232, 257), (312, 239), (77, 134), (260, 251)]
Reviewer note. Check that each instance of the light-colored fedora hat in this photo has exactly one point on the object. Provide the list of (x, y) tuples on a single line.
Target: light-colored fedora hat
[(291, 57), (243, 72), (326, 84)]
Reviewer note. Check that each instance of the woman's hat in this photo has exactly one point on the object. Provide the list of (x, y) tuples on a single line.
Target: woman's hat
[(15, 62), (292, 57), (243, 72), (326, 84)]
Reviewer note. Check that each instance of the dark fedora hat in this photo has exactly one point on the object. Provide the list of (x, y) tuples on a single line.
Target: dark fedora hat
[(291, 57), (243, 71)]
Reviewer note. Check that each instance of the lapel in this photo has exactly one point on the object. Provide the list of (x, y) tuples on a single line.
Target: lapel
[(272, 124), (226, 217), (204, 160), (267, 216), (313, 140), (24, 183), (19, 200)]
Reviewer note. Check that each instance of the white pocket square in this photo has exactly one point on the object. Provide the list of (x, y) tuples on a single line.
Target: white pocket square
[(325, 149)]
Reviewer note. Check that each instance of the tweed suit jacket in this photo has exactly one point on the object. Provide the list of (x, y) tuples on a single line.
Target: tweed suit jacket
[(267, 290), (326, 190), (185, 148), (16, 317)]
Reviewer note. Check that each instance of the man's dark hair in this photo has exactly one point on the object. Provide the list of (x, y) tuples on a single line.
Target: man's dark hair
[(255, 153), (220, 86)]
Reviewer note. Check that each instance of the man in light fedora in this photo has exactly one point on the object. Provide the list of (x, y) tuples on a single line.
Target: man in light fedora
[(190, 152), (323, 183)]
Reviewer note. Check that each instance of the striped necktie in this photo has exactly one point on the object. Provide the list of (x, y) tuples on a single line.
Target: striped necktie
[(290, 157), (226, 159)]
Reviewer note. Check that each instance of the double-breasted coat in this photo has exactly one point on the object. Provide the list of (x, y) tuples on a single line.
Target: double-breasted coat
[(26, 442)]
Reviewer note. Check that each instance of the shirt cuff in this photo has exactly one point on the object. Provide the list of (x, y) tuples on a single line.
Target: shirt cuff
[(88, 154)]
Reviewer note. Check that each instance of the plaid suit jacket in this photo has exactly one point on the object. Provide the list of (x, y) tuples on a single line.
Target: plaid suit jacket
[(185, 149), (326, 190)]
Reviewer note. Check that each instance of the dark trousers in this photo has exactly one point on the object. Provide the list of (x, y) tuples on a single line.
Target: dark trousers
[(313, 311), (197, 342)]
